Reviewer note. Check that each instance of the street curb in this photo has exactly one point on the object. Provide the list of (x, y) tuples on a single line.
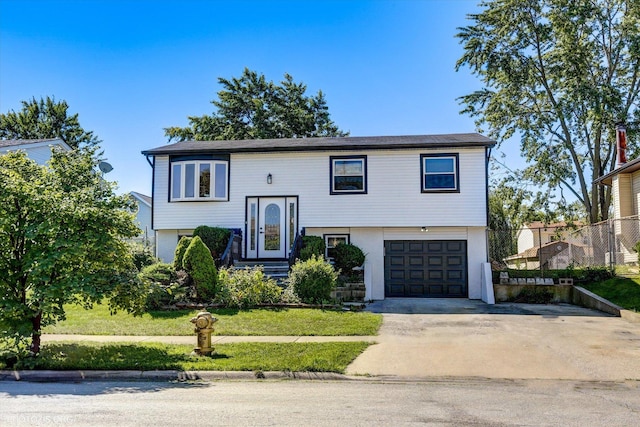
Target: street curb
[(170, 375)]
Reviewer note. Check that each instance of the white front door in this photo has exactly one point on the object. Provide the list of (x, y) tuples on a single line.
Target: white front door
[(271, 226)]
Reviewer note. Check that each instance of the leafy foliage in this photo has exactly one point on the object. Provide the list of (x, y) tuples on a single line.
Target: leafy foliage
[(162, 285), (61, 241), (198, 262), (560, 74), (348, 256), (250, 107), (142, 255), (215, 238), (181, 248), (312, 246), (45, 118), (248, 287), (313, 279)]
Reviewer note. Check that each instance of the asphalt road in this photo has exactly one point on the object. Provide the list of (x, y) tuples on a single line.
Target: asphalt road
[(322, 403)]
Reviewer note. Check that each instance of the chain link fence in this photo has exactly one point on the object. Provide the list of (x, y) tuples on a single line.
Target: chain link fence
[(609, 243)]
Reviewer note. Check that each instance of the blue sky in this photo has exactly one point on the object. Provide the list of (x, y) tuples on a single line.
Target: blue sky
[(131, 68)]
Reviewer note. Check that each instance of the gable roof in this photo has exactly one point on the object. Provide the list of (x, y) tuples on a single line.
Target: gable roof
[(629, 167), (323, 144), (143, 198), (18, 144)]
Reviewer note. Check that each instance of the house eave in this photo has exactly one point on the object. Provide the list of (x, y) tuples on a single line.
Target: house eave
[(630, 167), (325, 144)]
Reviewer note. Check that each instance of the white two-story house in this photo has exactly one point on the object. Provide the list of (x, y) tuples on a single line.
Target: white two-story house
[(39, 150), (416, 205)]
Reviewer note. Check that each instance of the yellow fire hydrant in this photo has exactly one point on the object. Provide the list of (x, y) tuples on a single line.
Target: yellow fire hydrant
[(204, 327)]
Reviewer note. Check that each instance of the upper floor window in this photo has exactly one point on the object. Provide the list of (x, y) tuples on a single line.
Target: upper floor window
[(199, 180), (348, 174), (439, 173)]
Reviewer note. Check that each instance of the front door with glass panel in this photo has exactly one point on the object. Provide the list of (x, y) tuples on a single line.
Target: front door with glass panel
[(271, 226)]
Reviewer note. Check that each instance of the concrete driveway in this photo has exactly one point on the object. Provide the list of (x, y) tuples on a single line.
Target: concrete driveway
[(466, 338)]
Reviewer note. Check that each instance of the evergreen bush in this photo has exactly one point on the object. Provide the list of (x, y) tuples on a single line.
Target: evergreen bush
[(215, 238), (312, 245), (183, 244), (313, 280), (347, 257), (198, 262)]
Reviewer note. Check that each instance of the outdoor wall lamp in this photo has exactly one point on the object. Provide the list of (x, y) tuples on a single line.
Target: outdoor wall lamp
[(424, 229), (269, 179)]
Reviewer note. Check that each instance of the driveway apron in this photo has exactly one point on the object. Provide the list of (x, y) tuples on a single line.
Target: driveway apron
[(467, 338)]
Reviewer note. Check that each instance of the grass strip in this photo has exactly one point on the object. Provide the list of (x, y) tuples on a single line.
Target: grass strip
[(297, 357), (622, 291), (256, 322)]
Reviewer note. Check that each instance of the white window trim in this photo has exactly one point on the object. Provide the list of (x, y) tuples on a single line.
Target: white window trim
[(454, 173), (196, 182), (326, 243), (362, 160)]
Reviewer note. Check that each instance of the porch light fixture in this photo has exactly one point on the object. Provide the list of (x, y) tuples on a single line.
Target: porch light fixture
[(424, 229), (269, 179)]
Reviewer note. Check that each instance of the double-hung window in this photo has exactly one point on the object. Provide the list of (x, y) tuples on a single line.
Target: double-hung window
[(348, 174), (197, 180), (331, 241), (440, 173)]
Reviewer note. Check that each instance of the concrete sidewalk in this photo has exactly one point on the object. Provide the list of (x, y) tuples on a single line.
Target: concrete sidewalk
[(191, 340)]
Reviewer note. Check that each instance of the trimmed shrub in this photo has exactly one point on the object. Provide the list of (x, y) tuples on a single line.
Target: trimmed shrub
[(215, 238), (313, 280), (312, 245), (347, 257), (247, 287), (198, 262), (183, 244)]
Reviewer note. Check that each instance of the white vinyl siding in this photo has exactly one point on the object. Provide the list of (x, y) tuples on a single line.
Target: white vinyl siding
[(393, 198)]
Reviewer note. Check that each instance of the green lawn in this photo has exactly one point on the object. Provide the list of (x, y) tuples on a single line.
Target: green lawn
[(296, 357), (298, 321), (622, 291)]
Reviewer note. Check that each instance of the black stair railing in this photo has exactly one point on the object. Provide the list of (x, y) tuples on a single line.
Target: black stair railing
[(232, 251), (296, 247)]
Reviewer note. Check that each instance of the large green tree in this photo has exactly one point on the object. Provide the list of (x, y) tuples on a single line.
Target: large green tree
[(250, 107), (61, 241), (45, 118), (559, 73)]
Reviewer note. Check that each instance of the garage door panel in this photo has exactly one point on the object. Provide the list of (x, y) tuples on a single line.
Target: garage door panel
[(416, 274), (454, 261), (426, 268)]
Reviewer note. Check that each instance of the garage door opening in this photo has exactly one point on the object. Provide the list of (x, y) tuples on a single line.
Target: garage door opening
[(425, 268)]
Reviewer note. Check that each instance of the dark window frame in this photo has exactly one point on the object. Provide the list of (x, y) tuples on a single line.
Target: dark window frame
[(332, 176), (456, 173)]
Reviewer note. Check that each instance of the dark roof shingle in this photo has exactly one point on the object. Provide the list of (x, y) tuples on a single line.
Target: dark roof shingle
[(321, 144)]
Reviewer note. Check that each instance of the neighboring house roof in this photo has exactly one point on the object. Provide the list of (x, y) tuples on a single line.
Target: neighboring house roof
[(329, 143), (21, 144), (629, 167), (141, 197)]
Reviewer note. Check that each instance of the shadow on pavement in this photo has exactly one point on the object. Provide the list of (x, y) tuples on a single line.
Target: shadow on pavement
[(466, 306)]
